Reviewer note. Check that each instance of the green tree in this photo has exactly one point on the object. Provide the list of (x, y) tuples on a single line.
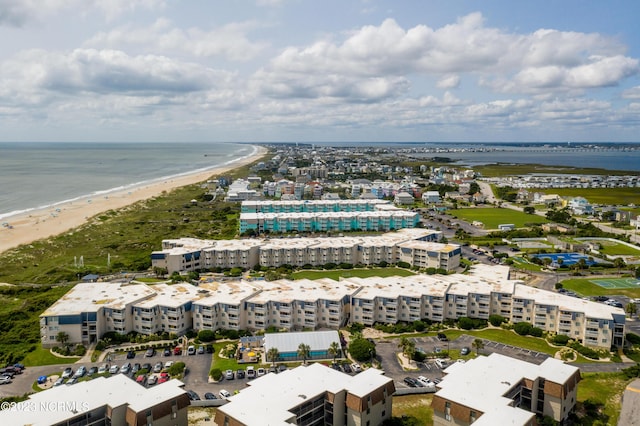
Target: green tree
[(619, 263), (176, 369), (529, 210), (334, 350), (273, 354), (303, 352), (361, 349), (631, 309), (408, 347), (478, 345), (62, 338), (206, 336)]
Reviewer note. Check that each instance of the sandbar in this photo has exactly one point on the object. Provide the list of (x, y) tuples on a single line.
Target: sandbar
[(35, 225)]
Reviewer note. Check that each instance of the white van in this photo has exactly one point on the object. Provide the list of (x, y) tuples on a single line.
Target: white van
[(441, 363), (251, 372)]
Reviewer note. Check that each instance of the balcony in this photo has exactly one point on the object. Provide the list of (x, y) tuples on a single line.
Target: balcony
[(231, 310)]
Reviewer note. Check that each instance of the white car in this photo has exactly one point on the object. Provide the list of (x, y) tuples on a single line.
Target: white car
[(168, 364), (68, 372), (424, 380), (356, 367), (103, 368), (224, 394), (191, 350), (114, 369)]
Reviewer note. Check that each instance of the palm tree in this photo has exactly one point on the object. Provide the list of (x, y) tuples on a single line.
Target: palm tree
[(408, 348), (62, 337), (272, 355), (478, 344), (619, 263), (303, 352), (334, 350)]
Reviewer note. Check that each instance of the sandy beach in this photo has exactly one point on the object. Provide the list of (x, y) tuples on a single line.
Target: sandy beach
[(38, 224)]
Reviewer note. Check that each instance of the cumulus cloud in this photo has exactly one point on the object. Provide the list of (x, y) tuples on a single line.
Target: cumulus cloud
[(17, 13), (633, 93), (229, 41), (506, 62)]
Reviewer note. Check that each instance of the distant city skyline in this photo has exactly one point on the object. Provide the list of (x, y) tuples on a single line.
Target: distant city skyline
[(294, 70)]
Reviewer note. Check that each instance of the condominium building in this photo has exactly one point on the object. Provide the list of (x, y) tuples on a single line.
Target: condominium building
[(115, 401), (311, 395), (378, 220), (310, 206), (499, 390), (85, 313), (418, 247)]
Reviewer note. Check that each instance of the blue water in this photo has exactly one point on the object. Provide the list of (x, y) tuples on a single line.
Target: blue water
[(36, 175)]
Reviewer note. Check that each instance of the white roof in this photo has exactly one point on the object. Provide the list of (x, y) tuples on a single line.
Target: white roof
[(286, 291), (269, 399), (480, 384), (90, 297), (289, 342), (64, 402), (173, 296), (228, 292)]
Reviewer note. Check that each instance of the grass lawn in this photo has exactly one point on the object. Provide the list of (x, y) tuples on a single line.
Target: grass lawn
[(585, 287), (492, 217), (605, 390), (611, 196), (336, 274), (521, 169), (520, 263), (612, 248), (42, 356), (417, 406)]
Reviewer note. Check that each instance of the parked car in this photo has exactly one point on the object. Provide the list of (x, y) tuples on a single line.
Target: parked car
[(356, 367), (251, 372), (200, 349), (411, 382), (168, 364), (240, 374), (177, 350), (224, 394), (131, 354), (209, 349), (166, 352), (141, 379), (92, 370), (114, 369), (347, 368), (5, 380), (81, 371), (210, 396), (72, 381), (68, 372), (152, 380), (273, 369), (193, 396), (59, 382), (126, 368), (164, 377), (282, 367), (261, 372), (464, 351), (228, 375), (147, 366), (443, 337), (191, 350), (136, 367), (158, 367), (150, 352)]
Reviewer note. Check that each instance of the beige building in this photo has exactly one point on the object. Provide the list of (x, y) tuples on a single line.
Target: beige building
[(500, 390), (311, 395), (115, 401)]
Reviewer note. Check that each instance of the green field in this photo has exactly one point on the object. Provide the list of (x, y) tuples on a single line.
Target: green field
[(610, 196), (492, 217), (585, 287), (613, 248), (347, 273), (510, 169)]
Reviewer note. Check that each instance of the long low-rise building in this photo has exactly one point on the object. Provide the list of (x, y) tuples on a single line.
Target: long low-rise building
[(91, 309), (311, 395), (115, 401), (499, 390), (310, 206), (377, 220), (418, 247)]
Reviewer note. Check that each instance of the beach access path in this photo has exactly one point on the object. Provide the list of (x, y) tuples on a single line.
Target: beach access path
[(38, 224)]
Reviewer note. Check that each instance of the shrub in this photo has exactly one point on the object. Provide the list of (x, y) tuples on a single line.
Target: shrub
[(560, 339), (584, 351), (467, 323), (522, 328), (215, 373), (497, 320), (356, 327), (536, 332), (419, 326), (207, 336), (632, 338), (79, 350), (177, 368), (404, 265)]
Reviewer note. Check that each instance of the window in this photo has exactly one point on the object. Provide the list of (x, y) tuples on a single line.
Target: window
[(447, 411), (472, 416)]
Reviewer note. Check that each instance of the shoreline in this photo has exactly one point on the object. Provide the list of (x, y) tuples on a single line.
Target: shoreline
[(32, 225)]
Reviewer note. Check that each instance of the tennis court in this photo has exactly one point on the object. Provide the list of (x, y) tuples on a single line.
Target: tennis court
[(617, 283), (567, 259)]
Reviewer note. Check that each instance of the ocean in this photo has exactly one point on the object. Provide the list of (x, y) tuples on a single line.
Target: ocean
[(40, 175)]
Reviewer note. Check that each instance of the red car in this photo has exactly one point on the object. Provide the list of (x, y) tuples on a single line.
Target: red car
[(141, 378), (177, 350), (164, 377)]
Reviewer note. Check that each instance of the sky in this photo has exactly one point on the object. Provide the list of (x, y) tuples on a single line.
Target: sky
[(330, 70)]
